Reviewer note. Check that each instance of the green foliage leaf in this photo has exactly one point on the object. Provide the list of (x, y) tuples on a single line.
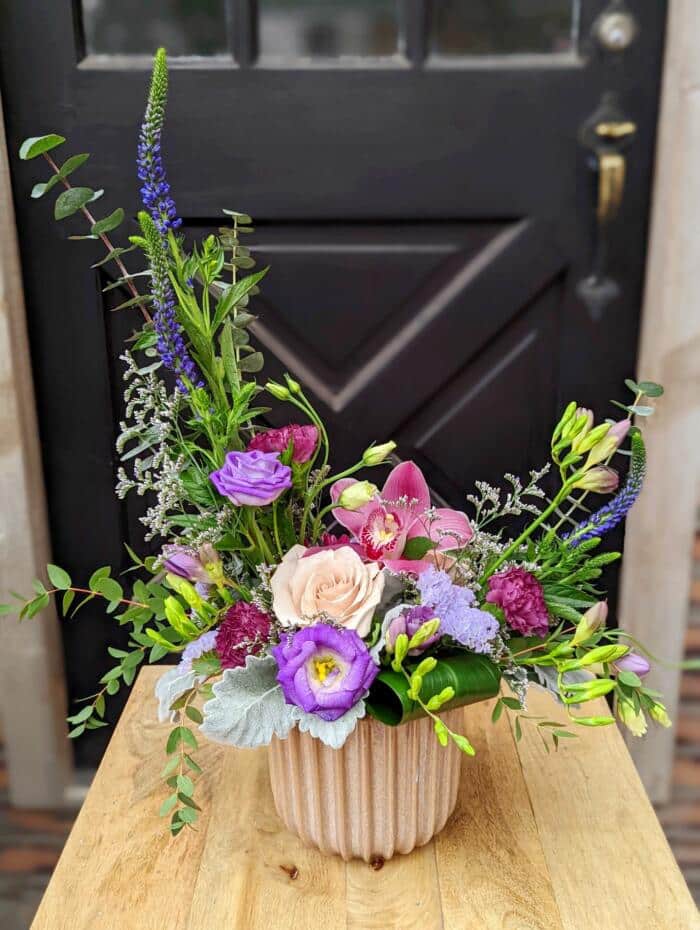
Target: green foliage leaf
[(58, 577), (108, 588), (37, 145), (252, 363), (640, 410), (194, 714), (497, 711), (651, 388), (417, 547), (630, 678), (108, 223), (77, 731), (167, 805), (70, 201), (7, 609)]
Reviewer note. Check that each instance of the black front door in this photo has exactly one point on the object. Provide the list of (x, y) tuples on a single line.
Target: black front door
[(424, 180)]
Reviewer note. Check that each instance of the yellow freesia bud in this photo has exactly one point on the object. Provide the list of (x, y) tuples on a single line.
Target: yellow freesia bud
[(375, 455), (357, 495), (585, 441), (601, 478), (601, 451)]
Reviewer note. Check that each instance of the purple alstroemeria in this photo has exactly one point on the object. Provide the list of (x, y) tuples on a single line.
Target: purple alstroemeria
[(252, 479), (324, 670)]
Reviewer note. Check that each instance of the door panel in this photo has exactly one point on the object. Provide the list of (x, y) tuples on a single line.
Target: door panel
[(419, 189)]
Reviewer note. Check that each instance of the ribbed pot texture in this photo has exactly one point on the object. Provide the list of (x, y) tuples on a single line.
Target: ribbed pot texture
[(386, 791)]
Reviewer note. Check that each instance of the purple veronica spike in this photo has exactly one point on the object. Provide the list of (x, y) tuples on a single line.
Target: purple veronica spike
[(612, 513), (155, 192)]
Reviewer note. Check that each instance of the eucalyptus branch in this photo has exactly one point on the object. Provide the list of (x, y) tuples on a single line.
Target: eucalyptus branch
[(105, 240)]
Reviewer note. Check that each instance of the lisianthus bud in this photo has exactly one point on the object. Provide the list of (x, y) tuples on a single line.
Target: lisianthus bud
[(293, 385), (277, 390), (634, 720), (633, 662), (357, 495), (211, 562), (619, 430), (593, 619), (375, 455), (601, 451), (658, 713), (602, 479)]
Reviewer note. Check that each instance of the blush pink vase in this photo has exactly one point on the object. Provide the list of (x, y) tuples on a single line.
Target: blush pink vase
[(386, 791)]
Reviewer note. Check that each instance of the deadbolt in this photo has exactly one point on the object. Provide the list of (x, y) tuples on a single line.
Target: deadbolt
[(615, 30)]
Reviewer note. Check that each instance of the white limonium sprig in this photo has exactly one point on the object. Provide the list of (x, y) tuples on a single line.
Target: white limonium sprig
[(489, 504)]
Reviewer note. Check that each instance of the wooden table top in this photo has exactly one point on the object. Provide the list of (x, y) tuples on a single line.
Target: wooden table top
[(559, 841)]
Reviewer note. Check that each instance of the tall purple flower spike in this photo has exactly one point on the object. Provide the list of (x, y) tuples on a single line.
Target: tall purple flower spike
[(155, 194), (612, 513)]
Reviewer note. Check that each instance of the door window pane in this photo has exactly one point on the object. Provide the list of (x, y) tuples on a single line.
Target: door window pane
[(132, 27), (502, 27), (292, 29)]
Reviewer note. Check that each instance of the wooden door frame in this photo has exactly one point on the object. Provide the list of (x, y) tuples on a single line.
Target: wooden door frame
[(32, 689), (657, 569), (656, 577)]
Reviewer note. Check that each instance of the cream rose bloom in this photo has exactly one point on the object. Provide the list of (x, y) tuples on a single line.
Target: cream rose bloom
[(333, 583)]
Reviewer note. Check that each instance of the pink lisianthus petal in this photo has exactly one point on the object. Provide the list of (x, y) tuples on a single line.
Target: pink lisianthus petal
[(406, 480), (352, 520)]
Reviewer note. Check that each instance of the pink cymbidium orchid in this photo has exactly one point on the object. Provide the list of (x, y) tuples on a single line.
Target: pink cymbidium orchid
[(399, 512)]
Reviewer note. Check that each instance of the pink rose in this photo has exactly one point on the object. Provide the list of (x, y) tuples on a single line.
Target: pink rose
[(305, 439), (331, 584), (519, 594)]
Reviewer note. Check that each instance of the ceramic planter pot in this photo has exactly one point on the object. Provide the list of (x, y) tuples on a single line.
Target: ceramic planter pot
[(388, 790)]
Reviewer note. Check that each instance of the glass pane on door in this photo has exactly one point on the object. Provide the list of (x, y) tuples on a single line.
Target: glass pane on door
[(132, 27), (294, 29), (503, 27)]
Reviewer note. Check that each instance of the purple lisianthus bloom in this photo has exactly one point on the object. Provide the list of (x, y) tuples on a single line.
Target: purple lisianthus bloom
[(188, 563), (409, 622), (197, 648), (519, 594), (252, 478), (324, 670), (455, 606)]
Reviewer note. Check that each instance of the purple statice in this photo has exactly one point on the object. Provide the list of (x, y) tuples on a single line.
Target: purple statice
[(197, 648), (612, 513), (454, 605), (155, 191)]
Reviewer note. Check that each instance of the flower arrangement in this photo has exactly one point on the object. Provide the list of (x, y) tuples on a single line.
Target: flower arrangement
[(291, 595)]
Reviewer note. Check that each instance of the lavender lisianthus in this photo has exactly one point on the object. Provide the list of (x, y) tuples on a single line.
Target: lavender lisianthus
[(252, 478), (455, 606), (324, 670), (409, 622)]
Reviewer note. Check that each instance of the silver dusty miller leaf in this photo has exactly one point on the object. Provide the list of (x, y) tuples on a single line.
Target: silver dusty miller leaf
[(169, 688), (248, 706), (331, 732)]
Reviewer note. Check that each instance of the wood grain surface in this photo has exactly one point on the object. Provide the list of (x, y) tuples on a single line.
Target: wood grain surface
[(559, 841)]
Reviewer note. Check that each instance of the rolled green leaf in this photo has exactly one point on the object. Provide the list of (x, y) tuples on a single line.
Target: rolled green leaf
[(474, 678)]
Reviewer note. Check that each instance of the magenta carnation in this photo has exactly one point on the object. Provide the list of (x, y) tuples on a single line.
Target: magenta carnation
[(519, 594), (244, 631), (304, 439)]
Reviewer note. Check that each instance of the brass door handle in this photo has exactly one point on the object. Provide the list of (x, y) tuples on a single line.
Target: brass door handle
[(611, 167)]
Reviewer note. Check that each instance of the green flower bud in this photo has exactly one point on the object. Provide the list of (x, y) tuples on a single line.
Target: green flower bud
[(587, 439), (634, 720), (357, 495), (375, 455), (293, 385), (565, 417), (277, 390), (658, 713)]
